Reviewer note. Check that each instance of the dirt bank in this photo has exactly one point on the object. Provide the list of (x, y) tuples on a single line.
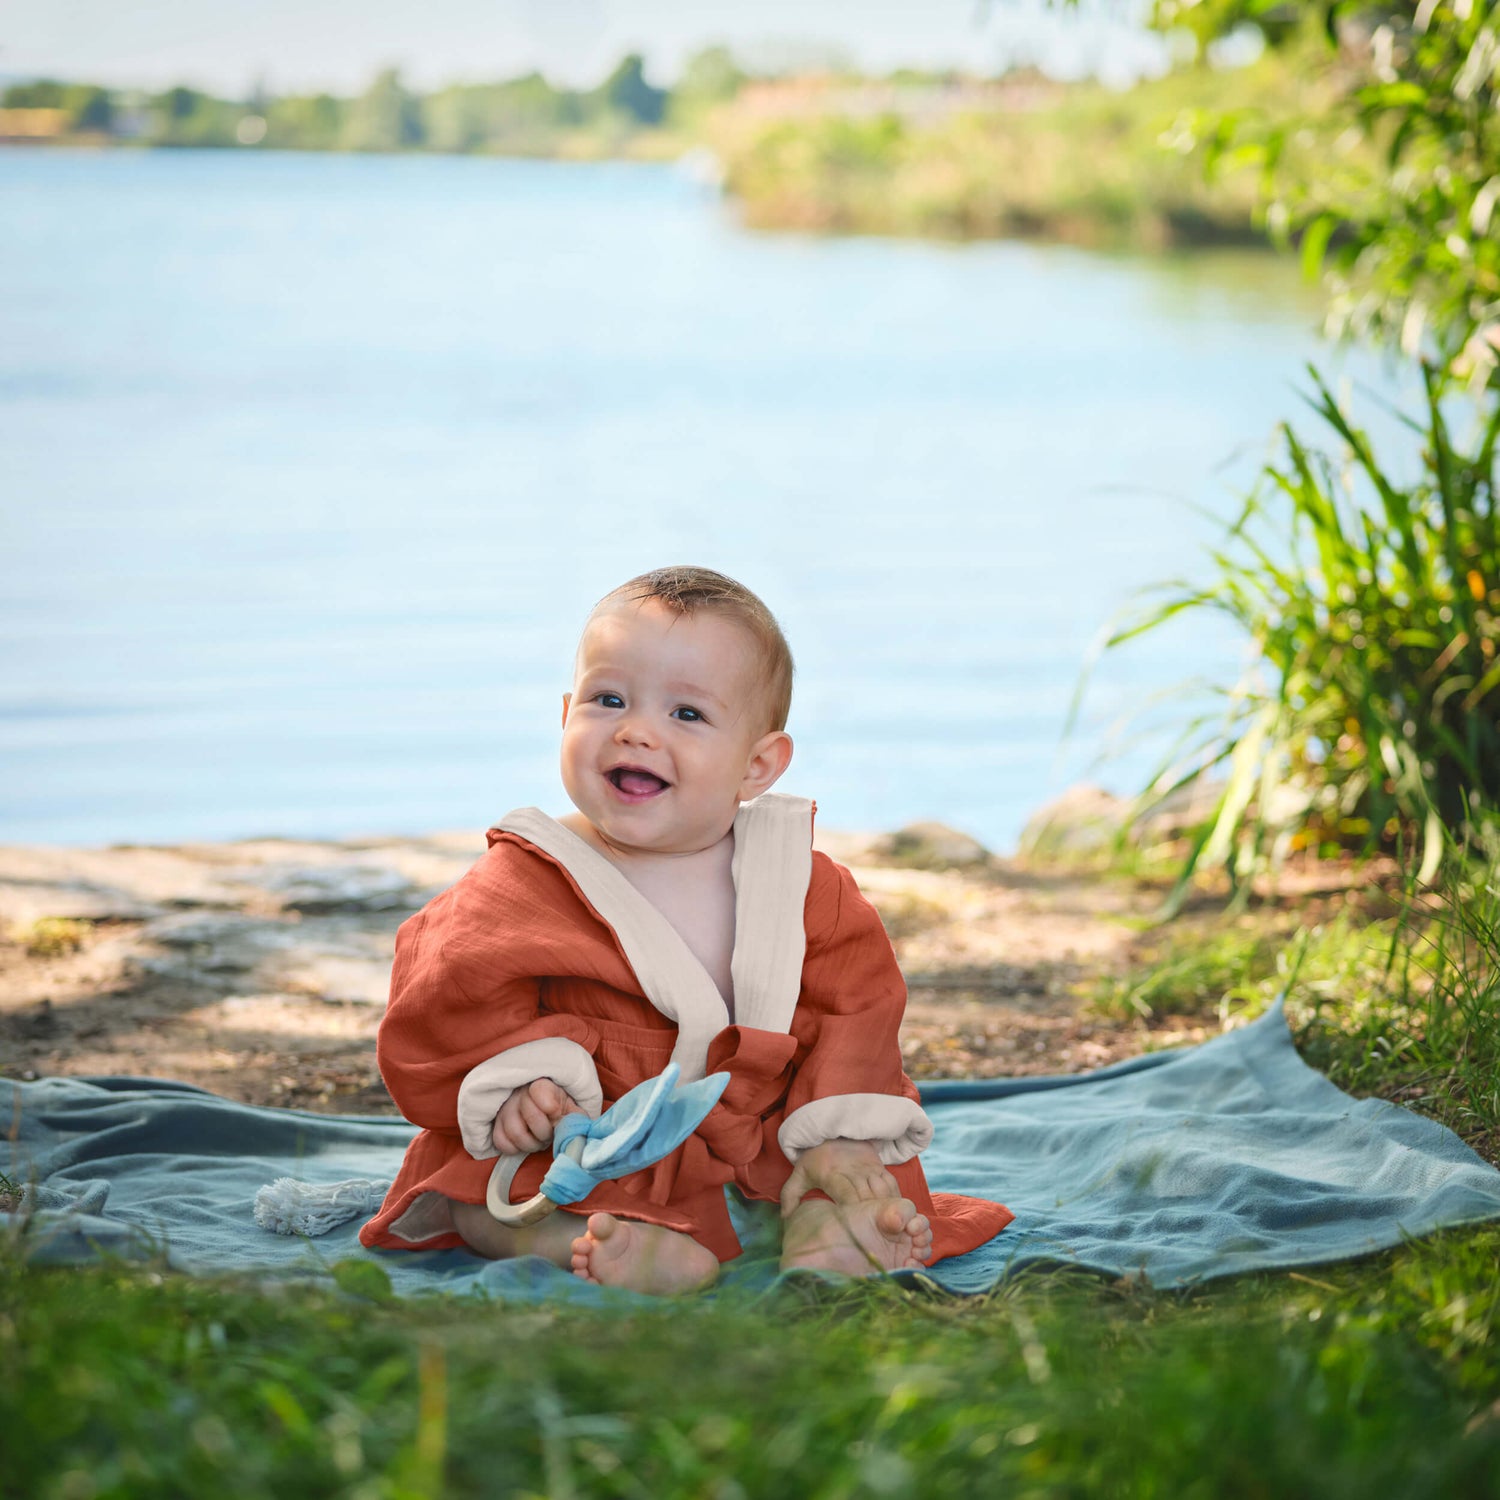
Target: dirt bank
[(259, 969)]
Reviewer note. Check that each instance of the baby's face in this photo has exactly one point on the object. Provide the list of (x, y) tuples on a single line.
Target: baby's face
[(664, 733)]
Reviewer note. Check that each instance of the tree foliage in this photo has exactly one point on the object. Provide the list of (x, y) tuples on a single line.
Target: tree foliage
[(524, 116), (627, 91), (306, 122), (384, 118), (88, 107), (1400, 212), (709, 78), (188, 117)]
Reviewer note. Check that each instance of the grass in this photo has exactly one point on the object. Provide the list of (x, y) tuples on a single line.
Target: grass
[(1380, 1375), (1405, 1006), (1426, 1030), (1193, 976), (52, 937), (1231, 968), (127, 1382)]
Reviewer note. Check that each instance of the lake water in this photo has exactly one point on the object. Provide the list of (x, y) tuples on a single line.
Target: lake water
[(312, 466)]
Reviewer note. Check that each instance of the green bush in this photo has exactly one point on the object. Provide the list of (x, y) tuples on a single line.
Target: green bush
[(1082, 164), (1367, 718)]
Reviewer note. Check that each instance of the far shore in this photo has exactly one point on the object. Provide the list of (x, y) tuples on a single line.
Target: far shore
[(941, 156)]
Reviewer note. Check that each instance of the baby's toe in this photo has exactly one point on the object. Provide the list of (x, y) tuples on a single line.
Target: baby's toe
[(920, 1231), (892, 1217), (583, 1248)]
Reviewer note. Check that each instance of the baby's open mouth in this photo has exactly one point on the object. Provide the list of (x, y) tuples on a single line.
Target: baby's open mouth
[(635, 782)]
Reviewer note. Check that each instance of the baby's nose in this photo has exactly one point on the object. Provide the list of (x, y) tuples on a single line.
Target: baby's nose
[(636, 729)]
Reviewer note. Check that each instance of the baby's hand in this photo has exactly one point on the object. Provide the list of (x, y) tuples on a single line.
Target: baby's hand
[(848, 1171), (526, 1120)]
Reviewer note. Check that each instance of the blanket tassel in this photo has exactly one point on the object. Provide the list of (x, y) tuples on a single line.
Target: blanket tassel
[(287, 1206)]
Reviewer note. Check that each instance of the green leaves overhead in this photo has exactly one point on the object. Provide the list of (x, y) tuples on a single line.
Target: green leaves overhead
[(1394, 201)]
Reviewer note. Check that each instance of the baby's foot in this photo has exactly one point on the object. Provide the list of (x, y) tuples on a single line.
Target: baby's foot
[(857, 1239), (642, 1257)]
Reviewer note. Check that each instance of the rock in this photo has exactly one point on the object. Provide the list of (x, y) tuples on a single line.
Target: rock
[(1183, 810), (221, 934), (1085, 820), (361, 977), (99, 885), (324, 890), (932, 846), (328, 957), (137, 883), (847, 848)]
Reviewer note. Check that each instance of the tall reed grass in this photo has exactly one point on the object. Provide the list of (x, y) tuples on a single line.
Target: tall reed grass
[(1368, 717)]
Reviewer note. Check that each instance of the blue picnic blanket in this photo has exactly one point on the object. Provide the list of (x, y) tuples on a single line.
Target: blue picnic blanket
[(1180, 1166)]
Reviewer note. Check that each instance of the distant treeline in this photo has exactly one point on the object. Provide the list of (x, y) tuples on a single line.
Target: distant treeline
[(517, 116), (911, 153), (1014, 158)]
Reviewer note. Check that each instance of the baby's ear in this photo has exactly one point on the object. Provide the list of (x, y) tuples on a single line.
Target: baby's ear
[(769, 757), (567, 700)]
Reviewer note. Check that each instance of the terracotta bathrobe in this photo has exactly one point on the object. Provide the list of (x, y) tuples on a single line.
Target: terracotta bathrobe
[(545, 962)]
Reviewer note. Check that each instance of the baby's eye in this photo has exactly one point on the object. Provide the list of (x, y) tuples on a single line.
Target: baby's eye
[(688, 714), (609, 700)]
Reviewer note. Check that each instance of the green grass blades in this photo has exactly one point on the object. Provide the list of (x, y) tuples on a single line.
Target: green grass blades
[(1426, 1030), (1371, 1378), (1395, 994), (1233, 970), (1368, 716)]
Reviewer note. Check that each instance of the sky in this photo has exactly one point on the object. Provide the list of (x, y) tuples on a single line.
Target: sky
[(230, 46)]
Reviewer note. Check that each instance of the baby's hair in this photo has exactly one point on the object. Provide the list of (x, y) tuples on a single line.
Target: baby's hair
[(685, 590)]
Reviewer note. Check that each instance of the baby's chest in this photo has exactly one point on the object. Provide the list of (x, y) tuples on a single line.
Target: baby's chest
[(702, 914)]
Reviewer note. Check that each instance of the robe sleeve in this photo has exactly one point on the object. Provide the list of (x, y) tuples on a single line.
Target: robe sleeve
[(850, 1084), (465, 1026)]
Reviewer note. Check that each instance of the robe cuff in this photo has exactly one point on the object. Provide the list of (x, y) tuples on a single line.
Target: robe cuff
[(895, 1125), (486, 1087)]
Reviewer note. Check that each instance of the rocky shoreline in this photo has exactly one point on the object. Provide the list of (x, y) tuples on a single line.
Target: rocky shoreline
[(259, 968)]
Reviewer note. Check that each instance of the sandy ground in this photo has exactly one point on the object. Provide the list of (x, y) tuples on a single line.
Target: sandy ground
[(259, 969)]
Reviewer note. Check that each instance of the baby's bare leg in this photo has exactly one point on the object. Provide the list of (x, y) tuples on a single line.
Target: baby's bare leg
[(857, 1239), (552, 1238)]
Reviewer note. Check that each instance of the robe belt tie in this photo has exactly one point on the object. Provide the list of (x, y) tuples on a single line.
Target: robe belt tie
[(759, 1064), (735, 1140)]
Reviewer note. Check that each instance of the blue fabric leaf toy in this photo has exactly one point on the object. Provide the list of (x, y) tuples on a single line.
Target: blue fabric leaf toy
[(639, 1128)]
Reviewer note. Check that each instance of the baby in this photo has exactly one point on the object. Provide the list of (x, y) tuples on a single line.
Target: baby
[(678, 914)]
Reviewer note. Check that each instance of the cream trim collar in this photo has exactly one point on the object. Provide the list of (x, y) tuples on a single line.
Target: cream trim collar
[(771, 869)]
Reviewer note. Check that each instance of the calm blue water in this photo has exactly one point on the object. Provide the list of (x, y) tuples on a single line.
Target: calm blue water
[(312, 467)]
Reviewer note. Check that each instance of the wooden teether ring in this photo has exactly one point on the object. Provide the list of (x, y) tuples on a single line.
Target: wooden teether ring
[(533, 1210)]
